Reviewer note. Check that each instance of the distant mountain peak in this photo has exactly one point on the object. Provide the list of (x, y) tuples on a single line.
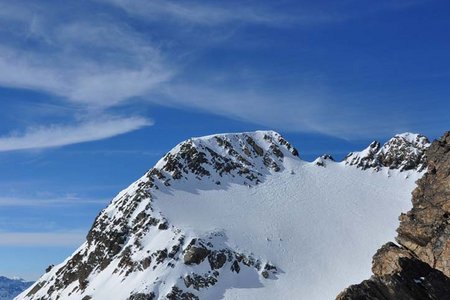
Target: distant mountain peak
[(11, 287), (404, 152)]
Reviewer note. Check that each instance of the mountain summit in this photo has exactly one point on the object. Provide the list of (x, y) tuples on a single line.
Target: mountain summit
[(243, 158), (239, 216)]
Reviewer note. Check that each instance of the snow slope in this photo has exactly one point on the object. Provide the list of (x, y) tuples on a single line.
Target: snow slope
[(238, 216)]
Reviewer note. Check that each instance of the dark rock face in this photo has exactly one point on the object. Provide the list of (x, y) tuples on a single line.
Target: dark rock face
[(195, 255), (177, 294), (200, 250), (420, 267), (142, 296), (198, 282), (403, 152)]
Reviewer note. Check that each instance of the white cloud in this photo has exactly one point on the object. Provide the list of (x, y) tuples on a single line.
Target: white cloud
[(118, 64), (42, 239), (94, 63), (57, 135)]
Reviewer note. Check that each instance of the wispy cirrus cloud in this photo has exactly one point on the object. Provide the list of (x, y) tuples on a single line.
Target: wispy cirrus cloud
[(90, 55), (217, 13), (310, 108), (285, 13), (202, 13), (58, 135), (93, 63)]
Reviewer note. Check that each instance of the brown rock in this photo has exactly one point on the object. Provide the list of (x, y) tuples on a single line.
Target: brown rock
[(387, 259), (195, 255), (425, 229)]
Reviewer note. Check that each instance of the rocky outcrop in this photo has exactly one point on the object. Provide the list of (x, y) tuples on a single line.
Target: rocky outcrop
[(425, 229), (404, 152), (322, 160), (420, 267)]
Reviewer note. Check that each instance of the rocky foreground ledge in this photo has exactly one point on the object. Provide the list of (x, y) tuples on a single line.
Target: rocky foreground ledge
[(419, 268)]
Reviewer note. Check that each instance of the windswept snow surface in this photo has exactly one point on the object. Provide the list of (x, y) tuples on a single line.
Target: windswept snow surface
[(319, 225)]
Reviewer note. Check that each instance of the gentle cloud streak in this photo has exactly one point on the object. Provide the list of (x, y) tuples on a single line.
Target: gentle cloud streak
[(200, 13), (27, 202), (55, 136), (42, 239), (305, 110)]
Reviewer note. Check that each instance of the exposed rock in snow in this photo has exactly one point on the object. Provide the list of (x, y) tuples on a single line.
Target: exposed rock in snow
[(235, 216), (322, 160), (403, 152)]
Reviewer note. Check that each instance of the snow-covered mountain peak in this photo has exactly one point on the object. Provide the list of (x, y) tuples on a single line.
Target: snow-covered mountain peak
[(404, 152), (413, 138), (132, 237), (242, 158)]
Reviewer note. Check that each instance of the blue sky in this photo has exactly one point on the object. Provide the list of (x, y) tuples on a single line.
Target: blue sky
[(93, 93)]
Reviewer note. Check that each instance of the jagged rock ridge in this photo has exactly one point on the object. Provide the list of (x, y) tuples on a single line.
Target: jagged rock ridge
[(403, 152), (420, 267)]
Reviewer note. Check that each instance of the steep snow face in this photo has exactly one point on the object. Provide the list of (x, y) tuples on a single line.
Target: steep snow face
[(235, 216), (404, 152), (10, 288)]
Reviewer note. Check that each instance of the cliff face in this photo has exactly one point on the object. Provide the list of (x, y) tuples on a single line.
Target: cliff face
[(420, 267)]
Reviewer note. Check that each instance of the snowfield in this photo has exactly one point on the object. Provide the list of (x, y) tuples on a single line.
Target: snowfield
[(241, 216), (320, 225)]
